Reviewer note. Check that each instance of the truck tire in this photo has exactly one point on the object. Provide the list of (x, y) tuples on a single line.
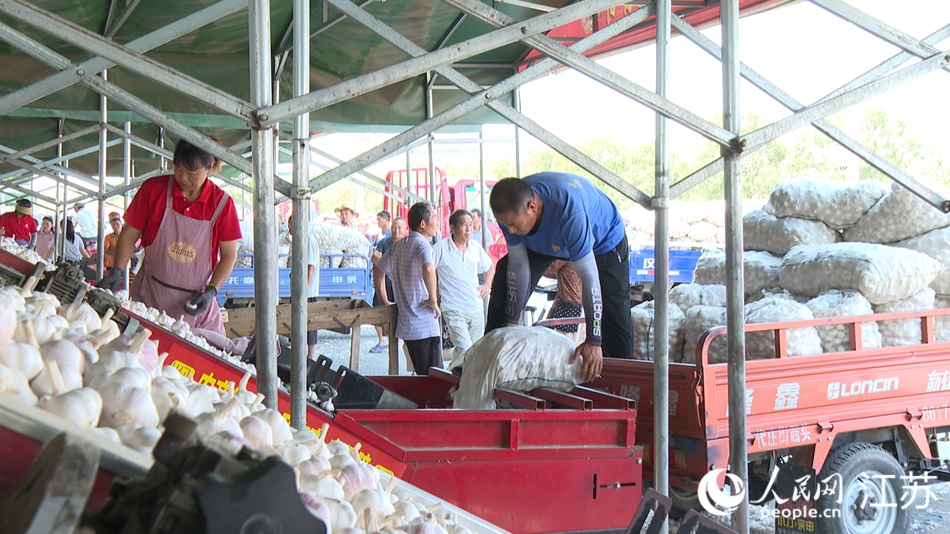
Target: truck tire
[(861, 466)]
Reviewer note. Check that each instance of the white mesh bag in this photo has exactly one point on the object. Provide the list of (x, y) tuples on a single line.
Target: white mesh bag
[(899, 215), (762, 231), (643, 336), (942, 324), (698, 320), (835, 303), (515, 358), (760, 270), (904, 331), (936, 244), (879, 272), (837, 204), (761, 345), (688, 295)]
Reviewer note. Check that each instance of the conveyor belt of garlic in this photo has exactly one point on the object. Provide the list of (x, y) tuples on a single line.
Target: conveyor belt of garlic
[(69, 361)]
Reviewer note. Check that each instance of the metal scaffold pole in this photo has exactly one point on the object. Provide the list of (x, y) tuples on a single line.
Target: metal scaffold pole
[(103, 168), (660, 204), (126, 178), (265, 239), (735, 288), (300, 224)]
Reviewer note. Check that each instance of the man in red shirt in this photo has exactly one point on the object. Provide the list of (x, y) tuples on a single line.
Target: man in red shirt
[(190, 249), (20, 224)]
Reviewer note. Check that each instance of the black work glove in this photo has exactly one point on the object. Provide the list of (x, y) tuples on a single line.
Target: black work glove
[(202, 301), (112, 280)]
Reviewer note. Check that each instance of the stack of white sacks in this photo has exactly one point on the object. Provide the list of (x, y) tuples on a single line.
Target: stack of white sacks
[(332, 239), (819, 249)]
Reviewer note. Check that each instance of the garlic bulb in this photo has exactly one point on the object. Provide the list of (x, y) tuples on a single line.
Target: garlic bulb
[(294, 454), (338, 447), (312, 467), (257, 433), (126, 405), (406, 511), (140, 438), (373, 499), (278, 424), (356, 477), (220, 420), (23, 356), (14, 382), (11, 299), (428, 525), (42, 329), (342, 515), (50, 381), (316, 506), (133, 376), (200, 399), (58, 322), (82, 406), (65, 353), (168, 395), (8, 323), (82, 312)]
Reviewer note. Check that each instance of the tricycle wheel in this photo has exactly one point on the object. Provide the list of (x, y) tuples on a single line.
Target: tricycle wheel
[(684, 500), (870, 489)]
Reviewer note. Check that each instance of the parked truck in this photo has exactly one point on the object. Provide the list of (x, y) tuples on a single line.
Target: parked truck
[(874, 420)]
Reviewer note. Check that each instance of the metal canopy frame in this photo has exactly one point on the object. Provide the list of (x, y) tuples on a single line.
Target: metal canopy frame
[(261, 114)]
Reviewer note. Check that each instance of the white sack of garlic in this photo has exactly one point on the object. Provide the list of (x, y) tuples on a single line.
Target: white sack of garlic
[(82, 406), (126, 405)]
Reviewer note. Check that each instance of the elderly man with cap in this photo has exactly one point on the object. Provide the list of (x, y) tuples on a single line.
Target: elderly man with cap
[(20, 224), (347, 216)]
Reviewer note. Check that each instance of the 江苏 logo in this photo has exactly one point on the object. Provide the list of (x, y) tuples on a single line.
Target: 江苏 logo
[(713, 499)]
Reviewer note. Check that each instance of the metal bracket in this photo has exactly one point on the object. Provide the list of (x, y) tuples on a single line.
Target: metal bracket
[(825, 426), (913, 414), (301, 193), (659, 203)]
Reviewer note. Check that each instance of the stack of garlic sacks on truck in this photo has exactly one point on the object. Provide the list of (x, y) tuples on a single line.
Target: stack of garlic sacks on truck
[(332, 239), (70, 362), (819, 249)]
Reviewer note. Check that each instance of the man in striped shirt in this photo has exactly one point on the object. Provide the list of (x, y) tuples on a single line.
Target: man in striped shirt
[(409, 264)]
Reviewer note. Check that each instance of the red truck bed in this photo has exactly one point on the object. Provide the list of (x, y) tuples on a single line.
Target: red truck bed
[(804, 401)]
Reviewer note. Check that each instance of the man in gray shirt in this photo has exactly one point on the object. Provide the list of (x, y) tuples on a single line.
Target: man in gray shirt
[(409, 264)]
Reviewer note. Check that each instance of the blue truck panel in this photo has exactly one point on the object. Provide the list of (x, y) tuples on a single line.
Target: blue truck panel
[(682, 265), (346, 282)]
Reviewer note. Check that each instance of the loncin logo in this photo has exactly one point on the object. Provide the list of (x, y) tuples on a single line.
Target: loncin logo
[(713, 499), (844, 389)]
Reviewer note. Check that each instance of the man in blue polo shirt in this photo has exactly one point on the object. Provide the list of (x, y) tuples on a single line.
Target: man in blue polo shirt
[(550, 216)]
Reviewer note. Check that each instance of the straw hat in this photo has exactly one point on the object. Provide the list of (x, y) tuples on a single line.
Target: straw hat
[(343, 208), (24, 206)]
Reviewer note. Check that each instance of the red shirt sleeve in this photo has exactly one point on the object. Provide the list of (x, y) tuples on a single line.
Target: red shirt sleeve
[(5, 224), (147, 208), (228, 228)]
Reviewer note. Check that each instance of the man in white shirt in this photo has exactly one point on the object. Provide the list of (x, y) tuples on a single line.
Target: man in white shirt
[(84, 222), (313, 285), (458, 262)]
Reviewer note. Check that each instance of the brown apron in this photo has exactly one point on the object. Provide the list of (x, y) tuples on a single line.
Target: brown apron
[(177, 266)]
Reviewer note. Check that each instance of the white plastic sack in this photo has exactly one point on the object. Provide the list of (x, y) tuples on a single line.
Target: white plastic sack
[(942, 324), (643, 336), (904, 331), (879, 272), (899, 215), (688, 295), (762, 231), (515, 358), (699, 319), (761, 345), (936, 244), (760, 270), (837, 204), (835, 303)]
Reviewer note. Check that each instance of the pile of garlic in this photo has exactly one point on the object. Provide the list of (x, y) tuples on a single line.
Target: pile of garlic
[(9, 244), (180, 328), (72, 363)]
